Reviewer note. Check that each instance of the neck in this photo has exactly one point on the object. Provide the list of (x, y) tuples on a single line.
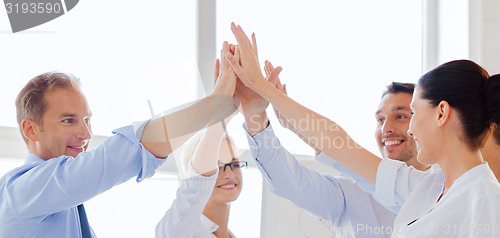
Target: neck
[(458, 160), (219, 214), (490, 153), (417, 165)]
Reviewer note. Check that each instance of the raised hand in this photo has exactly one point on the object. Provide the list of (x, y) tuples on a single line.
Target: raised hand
[(245, 61), (268, 68), (225, 83), (252, 104)]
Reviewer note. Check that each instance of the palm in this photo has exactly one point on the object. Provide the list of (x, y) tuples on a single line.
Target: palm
[(251, 102)]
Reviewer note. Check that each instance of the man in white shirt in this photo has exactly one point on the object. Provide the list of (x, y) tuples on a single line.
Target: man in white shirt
[(346, 200)]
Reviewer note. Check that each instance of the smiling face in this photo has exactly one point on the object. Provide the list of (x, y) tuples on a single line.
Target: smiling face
[(65, 126), (229, 182), (422, 130), (393, 118)]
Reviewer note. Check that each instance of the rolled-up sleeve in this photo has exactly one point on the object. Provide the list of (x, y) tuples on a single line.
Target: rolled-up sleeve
[(149, 162), (51, 186)]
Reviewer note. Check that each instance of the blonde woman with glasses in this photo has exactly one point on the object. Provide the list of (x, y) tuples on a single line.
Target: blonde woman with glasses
[(202, 206)]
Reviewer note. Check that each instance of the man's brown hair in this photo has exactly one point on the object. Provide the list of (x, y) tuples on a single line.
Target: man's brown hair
[(30, 102)]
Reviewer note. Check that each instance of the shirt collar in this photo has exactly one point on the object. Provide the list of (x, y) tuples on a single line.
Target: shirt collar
[(33, 158), (476, 172), (209, 223), (212, 227)]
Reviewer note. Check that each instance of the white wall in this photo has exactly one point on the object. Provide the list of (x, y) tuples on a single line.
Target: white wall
[(484, 36)]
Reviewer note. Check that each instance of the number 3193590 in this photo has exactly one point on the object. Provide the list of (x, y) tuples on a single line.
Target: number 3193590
[(33, 8)]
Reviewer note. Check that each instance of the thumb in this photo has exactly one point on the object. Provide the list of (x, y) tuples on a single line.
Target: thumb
[(216, 72), (234, 62), (273, 77)]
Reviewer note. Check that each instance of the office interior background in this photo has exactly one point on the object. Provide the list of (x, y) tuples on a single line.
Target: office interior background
[(337, 57)]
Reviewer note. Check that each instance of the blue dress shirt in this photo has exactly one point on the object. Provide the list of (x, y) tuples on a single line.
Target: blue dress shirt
[(40, 198), (347, 204)]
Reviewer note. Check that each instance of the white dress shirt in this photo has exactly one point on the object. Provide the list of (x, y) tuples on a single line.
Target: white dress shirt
[(185, 217), (470, 208)]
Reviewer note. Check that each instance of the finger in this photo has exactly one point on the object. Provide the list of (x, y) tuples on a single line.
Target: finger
[(234, 62), (225, 50), (232, 49), (254, 43), (274, 75), (216, 73), (266, 68), (225, 47), (276, 82), (237, 54), (240, 36), (273, 80), (269, 67)]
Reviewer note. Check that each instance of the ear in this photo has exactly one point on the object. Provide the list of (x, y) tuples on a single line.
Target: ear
[(30, 129), (444, 111)]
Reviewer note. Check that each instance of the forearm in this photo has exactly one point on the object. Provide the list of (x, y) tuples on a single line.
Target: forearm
[(164, 134), (325, 134), (205, 158), (305, 139)]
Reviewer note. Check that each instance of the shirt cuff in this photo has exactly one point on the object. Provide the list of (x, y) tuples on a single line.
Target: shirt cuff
[(385, 186), (139, 128), (266, 139), (203, 183), (324, 159), (149, 162)]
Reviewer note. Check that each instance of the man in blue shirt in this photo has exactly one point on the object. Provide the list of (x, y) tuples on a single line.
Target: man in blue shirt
[(43, 197)]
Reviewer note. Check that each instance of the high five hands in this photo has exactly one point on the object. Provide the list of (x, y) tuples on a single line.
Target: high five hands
[(244, 64)]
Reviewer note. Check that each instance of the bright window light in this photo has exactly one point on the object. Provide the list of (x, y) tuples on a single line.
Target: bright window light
[(337, 56)]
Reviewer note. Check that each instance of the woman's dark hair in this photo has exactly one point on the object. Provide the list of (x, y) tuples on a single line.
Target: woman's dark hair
[(469, 89), (493, 104)]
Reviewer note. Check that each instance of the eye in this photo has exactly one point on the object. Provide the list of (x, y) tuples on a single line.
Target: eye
[(380, 120), (401, 117), (68, 120), (87, 120), (235, 165)]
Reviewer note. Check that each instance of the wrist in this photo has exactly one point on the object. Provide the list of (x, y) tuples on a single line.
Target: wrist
[(267, 91), (256, 123)]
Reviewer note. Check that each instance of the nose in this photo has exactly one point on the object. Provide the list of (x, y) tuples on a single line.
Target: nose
[(228, 172), (84, 131), (388, 126)]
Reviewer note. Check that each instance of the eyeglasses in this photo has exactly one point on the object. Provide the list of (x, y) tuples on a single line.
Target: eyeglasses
[(235, 166)]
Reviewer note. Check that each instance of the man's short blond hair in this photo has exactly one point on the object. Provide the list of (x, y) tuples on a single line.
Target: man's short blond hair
[(31, 103)]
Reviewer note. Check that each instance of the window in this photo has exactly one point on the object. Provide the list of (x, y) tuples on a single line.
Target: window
[(337, 56)]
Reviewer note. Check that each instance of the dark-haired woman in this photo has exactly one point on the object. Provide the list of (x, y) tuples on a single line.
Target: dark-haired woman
[(454, 106)]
